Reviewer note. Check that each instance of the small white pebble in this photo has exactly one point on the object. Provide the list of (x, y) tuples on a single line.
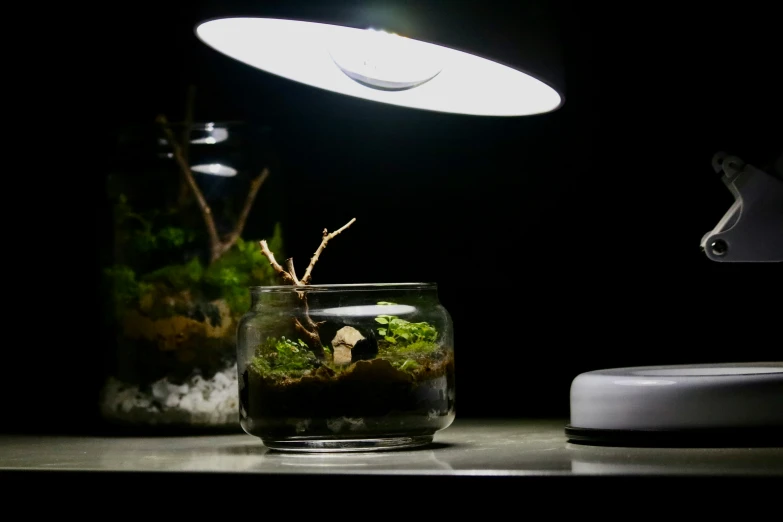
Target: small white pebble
[(172, 400), (187, 402), (160, 389), (221, 381), (198, 402)]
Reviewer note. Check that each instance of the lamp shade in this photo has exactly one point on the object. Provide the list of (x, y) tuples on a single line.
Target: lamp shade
[(439, 56)]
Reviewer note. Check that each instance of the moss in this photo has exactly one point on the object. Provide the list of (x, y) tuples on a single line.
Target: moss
[(410, 358), (241, 267), (149, 242), (284, 358), (122, 280), (408, 346), (409, 365), (178, 277), (418, 347)]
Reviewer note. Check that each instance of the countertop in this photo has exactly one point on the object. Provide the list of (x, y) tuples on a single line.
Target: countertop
[(535, 451), (467, 447)]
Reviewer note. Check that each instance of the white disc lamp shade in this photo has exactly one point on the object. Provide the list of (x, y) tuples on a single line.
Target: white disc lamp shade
[(376, 64), (691, 405)]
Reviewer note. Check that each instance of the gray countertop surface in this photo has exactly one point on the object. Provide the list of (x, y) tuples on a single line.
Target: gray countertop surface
[(470, 447)]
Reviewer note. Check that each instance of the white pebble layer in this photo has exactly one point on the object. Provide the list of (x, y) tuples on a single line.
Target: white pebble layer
[(198, 402)]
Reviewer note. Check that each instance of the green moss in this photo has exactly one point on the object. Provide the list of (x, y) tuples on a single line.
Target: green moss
[(149, 268), (403, 342), (173, 237), (408, 365), (406, 345), (238, 269), (283, 358), (178, 277), (123, 285), (418, 347)]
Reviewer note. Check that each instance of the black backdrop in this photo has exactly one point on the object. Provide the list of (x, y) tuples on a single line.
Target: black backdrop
[(576, 233)]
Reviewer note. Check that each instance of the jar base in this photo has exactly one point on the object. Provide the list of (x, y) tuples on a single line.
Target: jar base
[(346, 445)]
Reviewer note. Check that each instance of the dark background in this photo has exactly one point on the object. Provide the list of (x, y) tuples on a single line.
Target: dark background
[(573, 236)]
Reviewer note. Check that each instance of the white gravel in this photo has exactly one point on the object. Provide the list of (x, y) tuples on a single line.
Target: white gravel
[(198, 402)]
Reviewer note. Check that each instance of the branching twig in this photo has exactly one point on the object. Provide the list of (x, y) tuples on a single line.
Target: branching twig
[(292, 271), (289, 277), (313, 338), (327, 236), (216, 247), (206, 212), (285, 276), (255, 185), (312, 324)]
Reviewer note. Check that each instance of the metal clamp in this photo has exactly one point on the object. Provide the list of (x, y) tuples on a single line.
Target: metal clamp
[(752, 229)]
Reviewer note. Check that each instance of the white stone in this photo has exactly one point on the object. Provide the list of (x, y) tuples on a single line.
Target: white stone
[(198, 402), (221, 381), (172, 400), (343, 342), (160, 389), (187, 402)]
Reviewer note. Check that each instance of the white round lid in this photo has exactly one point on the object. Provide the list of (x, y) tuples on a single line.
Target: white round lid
[(682, 397)]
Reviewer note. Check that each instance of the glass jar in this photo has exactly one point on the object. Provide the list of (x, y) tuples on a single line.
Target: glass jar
[(377, 374), (183, 250)]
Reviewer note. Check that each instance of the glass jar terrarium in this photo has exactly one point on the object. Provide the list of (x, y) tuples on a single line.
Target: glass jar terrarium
[(379, 375), (187, 205)]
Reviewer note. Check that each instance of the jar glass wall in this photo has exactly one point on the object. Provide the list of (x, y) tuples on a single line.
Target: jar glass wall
[(378, 374)]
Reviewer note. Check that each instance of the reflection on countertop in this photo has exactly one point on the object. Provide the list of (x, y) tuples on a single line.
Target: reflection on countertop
[(470, 447)]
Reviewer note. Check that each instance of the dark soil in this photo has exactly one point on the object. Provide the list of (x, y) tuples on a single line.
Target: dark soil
[(373, 395)]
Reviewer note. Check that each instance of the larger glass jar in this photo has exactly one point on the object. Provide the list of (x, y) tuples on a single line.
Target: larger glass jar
[(377, 374), (183, 224)]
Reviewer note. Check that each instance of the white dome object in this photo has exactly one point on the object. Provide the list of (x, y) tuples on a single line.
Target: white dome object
[(681, 398)]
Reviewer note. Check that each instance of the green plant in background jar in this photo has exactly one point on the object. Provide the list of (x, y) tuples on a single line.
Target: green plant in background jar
[(178, 279)]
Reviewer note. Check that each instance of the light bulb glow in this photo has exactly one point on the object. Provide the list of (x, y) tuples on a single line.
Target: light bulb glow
[(325, 56), (386, 61)]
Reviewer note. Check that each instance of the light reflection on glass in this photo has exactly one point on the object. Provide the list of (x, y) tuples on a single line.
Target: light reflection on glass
[(366, 310), (643, 382), (215, 169), (216, 135)]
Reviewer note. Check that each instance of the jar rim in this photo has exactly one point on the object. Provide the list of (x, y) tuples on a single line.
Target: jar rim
[(352, 287)]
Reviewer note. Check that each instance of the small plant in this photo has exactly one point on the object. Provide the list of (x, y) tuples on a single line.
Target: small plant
[(396, 329)]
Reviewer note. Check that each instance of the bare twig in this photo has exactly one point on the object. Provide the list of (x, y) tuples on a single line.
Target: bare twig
[(312, 324), (255, 185), (206, 212), (327, 236), (313, 337), (216, 247), (285, 276), (289, 277), (292, 271)]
